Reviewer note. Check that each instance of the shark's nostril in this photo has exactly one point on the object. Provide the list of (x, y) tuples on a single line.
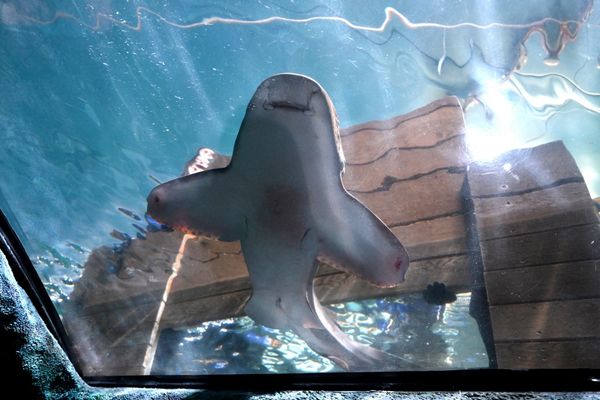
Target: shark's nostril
[(156, 199)]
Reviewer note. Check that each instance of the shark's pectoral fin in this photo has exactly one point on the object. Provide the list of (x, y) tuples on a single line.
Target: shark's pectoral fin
[(201, 203), (357, 241)]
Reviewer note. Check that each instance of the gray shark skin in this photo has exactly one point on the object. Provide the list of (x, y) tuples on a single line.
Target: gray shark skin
[(282, 197)]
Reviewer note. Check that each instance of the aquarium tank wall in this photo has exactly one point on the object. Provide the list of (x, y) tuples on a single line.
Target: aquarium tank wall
[(254, 187)]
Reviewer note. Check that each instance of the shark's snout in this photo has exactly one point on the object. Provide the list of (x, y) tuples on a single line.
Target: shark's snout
[(286, 91), (153, 198), (155, 203)]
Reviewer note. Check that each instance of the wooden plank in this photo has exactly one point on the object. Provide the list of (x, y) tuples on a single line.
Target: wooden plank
[(566, 319), (573, 243), (431, 196), (564, 281), (579, 353), (109, 350), (371, 140), (521, 170), (539, 236), (559, 206), (228, 272), (523, 191), (406, 164), (197, 310), (213, 299), (114, 325), (444, 236), (206, 262)]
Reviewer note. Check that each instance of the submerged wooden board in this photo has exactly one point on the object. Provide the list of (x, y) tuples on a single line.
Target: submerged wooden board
[(409, 170), (426, 127), (564, 281), (539, 236), (572, 243), (547, 320)]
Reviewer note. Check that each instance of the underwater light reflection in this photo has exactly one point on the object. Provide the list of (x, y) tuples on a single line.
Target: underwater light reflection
[(492, 132)]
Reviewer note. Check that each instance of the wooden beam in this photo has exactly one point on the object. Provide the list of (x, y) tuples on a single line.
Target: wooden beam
[(573, 243), (548, 320), (539, 236), (429, 197), (563, 281), (422, 128)]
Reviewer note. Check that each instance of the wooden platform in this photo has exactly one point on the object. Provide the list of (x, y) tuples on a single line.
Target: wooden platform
[(539, 235)]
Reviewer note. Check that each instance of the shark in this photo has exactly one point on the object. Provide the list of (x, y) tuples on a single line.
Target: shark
[(282, 197)]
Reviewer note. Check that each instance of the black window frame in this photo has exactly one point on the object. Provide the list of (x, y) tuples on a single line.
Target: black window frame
[(561, 380)]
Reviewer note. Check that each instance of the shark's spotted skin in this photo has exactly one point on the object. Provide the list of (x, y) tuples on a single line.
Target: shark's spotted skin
[(282, 197)]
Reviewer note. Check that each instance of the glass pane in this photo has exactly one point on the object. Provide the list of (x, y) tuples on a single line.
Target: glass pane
[(174, 173)]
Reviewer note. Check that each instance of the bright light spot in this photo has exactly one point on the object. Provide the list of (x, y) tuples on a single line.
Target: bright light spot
[(491, 127), (507, 167), (590, 175), (552, 61), (485, 145)]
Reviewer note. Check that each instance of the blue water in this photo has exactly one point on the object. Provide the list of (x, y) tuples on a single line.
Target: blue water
[(432, 336), (98, 97)]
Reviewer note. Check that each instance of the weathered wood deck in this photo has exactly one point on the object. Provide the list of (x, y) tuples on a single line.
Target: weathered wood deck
[(539, 235)]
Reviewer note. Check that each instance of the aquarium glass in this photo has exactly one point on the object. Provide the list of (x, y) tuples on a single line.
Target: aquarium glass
[(468, 131)]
